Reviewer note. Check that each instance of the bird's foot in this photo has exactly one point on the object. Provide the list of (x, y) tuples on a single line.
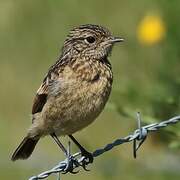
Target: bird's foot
[(70, 165), (87, 159), (71, 162)]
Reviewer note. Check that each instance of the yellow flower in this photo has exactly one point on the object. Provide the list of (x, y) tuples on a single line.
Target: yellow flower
[(151, 30)]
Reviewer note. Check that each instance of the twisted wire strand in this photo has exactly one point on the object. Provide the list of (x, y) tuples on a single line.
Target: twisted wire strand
[(139, 135)]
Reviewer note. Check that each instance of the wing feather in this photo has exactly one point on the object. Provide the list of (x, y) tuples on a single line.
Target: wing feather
[(42, 93), (40, 98)]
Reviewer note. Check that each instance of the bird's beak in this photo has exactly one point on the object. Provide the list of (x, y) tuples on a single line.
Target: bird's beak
[(116, 39)]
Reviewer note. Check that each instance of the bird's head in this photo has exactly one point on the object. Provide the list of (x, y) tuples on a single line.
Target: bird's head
[(90, 41)]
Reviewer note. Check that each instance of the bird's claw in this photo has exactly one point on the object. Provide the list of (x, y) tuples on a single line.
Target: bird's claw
[(70, 165), (88, 158)]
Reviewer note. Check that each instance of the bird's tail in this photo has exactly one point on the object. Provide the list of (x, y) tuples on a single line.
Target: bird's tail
[(25, 149)]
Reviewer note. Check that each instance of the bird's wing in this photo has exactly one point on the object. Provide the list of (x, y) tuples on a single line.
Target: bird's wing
[(51, 77), (40, 98)]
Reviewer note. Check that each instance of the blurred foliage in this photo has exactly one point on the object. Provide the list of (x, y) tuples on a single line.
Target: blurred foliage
[(146, 79)]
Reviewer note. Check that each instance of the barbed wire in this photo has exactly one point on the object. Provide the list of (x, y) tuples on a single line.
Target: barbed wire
[(138, 137)]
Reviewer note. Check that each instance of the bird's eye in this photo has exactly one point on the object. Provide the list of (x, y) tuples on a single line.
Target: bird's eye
[(90, 39)]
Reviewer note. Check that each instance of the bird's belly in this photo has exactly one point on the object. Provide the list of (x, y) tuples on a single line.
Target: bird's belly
[(75, 110), (78, 116)]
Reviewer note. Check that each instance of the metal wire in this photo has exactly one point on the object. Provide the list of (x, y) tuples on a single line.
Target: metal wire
[(138, 136)]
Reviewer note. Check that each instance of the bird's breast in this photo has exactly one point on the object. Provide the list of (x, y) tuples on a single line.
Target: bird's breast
[(78, 101)]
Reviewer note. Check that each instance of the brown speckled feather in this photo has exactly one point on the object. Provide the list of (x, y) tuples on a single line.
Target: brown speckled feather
[(42, 93)]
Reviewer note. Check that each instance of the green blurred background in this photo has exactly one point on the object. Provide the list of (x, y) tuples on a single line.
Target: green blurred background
[(146, 79)]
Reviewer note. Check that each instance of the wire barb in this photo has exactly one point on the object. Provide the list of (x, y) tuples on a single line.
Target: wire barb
[(142, 136), (139, 135)]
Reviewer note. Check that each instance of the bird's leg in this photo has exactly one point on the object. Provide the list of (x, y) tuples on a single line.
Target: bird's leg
[(88, 156), (70, 160), (58, 142)]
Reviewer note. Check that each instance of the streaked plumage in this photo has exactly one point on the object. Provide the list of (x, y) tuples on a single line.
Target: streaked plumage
[(75, 89)]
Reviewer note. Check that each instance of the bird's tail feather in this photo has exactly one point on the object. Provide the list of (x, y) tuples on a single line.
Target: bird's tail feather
[(25, 149)]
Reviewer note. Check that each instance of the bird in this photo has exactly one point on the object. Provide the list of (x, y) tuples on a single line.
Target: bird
[(74, 91)]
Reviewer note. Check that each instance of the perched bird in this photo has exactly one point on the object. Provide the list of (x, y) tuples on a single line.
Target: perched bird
[(74, 91)]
